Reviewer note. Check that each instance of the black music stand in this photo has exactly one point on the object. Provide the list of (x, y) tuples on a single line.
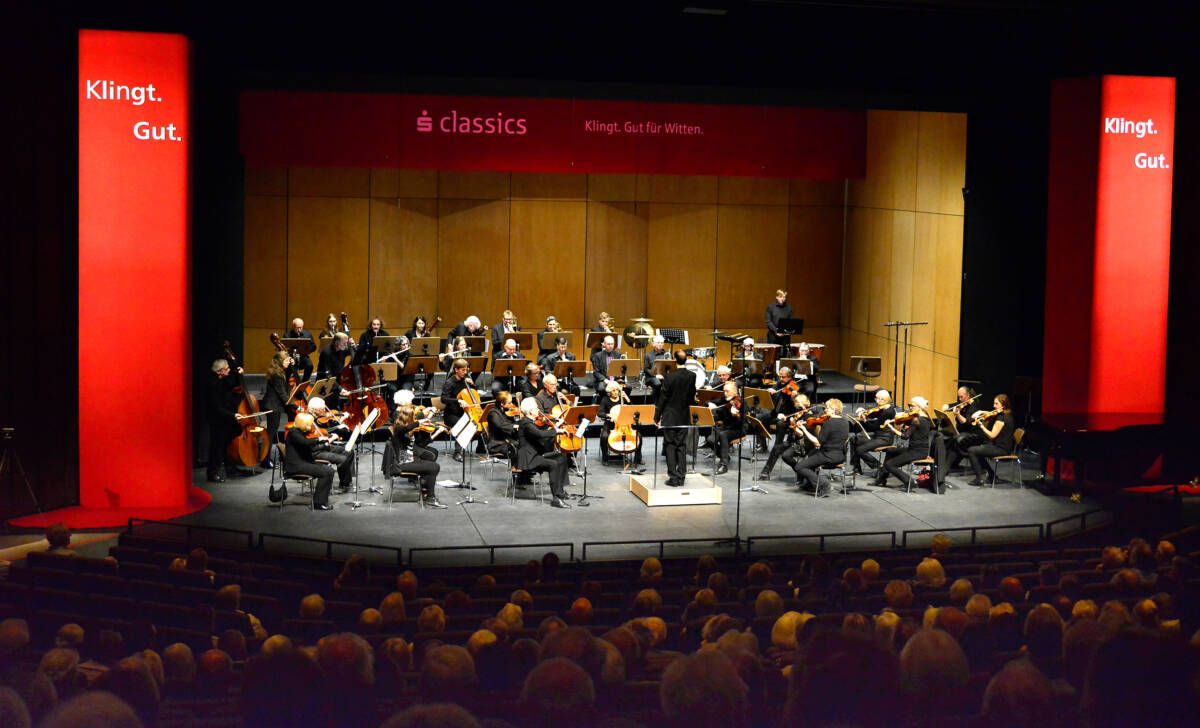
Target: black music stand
[(302, 347), (624, 369), (546, 339), (739, 366), (595, 338), (663, 367), (524, 339), (476, 364), (426, 346), (425, 365), (573, 416), (477, 344), (788, 328), (510, 369), (572, 369)]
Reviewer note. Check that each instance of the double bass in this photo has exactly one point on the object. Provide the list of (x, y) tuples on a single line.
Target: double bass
[(252, 444)]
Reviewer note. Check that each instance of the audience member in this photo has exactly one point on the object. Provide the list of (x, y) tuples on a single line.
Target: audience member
[(704, 691), (556, 693), (95, 708), (447, 676), (58, 537)]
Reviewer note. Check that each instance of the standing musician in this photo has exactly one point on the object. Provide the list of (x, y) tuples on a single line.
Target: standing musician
[(614, 397), (671, 413), (367, 354), (303, 363), (455, 383), (333, 359), (552, 327), (508, 353), (777, 312), (301, 459), (502, 421), (536, 453), (783, 400), (530, 384), (919, 433), (998, 427), (600, 360), (745, 354), (419, 329), (807, 384), (729, 413), (470, 326), (830, 442), (221, 411), (877, 435), (333, 435), (507, 325), (331, 327), (275, 396), (968, 435), (653, 354), (603, 323), (560, 353), (411, 457)]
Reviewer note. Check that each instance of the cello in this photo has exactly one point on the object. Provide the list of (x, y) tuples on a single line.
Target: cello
[(623, 439), (568, 440), (253, 443), (359, 381)]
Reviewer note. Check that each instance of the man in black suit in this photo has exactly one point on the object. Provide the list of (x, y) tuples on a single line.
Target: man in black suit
[(600, 360), (776, 313), (560, 353), (671, 413), (656, 352), (221, 412), (303, 363), (500, 332), (536, 453)]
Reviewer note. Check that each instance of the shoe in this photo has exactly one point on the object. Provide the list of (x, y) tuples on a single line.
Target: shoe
[(760, 447), (722, 469), (434, 503), (975, 482), (674, 482), (216, 478), (638, 470), (823, 494), (557, 502), (764, 475), (323, 507), (857, 470), (457, 456)]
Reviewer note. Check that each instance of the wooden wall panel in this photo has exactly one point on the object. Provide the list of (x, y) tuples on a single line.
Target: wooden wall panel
[(675, 188), (891, 181), (472, 259), (329, 182), (879, 263), (941, 162), (265, 181), (860, 225), (327, 261), (752, 250), (752, 191), (681, 264), (404, 261), (612, 187), (903, 275), (414, 183), (944, 386), (473, 185), (549, 186), (815, 192), (615, 271), (947, 288), (814, 262), (547, 260), (258, 349), (265, 239)]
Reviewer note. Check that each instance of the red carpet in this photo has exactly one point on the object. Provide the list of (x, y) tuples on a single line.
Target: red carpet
[(1187, 489), (76, 517)]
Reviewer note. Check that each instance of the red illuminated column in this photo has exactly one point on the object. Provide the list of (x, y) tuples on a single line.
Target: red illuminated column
[(1108, 247), (134, 285)]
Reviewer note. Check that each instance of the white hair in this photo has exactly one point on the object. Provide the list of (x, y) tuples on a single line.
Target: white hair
[(473, 321), (549, 379), (529, 407), (219, 364), (920, 402), (511, 342), (883, 393), (658, 339), (403, 397), (748, 340), (316, 403), (722, 369)]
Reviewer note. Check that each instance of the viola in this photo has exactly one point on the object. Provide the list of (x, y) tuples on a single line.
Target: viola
[(905, 417), (815, 421), (987, 415), (250, 447), (511, 410)]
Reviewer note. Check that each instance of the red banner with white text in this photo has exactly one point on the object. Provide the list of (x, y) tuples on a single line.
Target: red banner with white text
[(280, 128)]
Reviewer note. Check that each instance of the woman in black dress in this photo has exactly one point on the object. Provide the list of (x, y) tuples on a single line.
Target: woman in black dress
[(413, 458)]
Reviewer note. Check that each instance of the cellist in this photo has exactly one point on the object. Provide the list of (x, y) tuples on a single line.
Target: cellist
[(455, 383), (221, 411)]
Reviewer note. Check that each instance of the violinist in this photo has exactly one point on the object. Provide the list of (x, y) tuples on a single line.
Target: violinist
[(536, 453), (530, 384), (455, 383), (303, 363), (560, 353), (782, 406), (748, 354), (509, 352), (719, 376), (502, 421), (367, 354), (301, 459), (998, 427), (500, 332), (728, 411), (876, 435), (968, 434), (411, 457), (918, 430), (830, 444), (331, 434), (656, 352), (786, 432), (331, 328), (221, 411), (329, 421), (602, 357), (274, 398)]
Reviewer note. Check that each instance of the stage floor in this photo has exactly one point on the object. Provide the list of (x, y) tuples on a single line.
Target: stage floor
[(241, 503)]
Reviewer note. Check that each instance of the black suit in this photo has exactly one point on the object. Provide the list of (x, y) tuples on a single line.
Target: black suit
[(775, 314), (300, 459), (367, 354), (303, 363), (331, 361), (548, 363), (498, 337), (413, 458), (273, 401), (600, 369), (505, 383), (671, 411), (536, 454), (220, 408)]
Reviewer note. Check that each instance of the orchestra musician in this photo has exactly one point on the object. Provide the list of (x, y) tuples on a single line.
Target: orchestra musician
[(600, 360), (471, 326), (603, 323), (919, 433), (560, 353), (671, 412), (830, 444), (530, 384), (747, 354), (507, 325), (800, 445), (221, 411), (334, 435), (808, 384), (275, 396), (877, 435), (303, 363), (719, 376), (777, 312), (502, 421), (300, 458), (552, 327), (548, 395), (330, 421), (729, 413), (615, 396), (331, 327), (455, 383), (508, 353), (783, 400), (998, 427), (367, 354), (419, 329), (536, 453), (411, 457), (968, 432), (456, 350), (333, 359), (656, 352)]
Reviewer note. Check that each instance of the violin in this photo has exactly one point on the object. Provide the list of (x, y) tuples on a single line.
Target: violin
[(987, 415), (960, 405), (816, 421), (250, 447), (904, 417), (867, 413), (512, 411), (791, 389), (298, 390)]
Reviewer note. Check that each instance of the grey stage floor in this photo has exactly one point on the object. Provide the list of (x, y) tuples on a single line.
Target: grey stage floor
[(241, 503)]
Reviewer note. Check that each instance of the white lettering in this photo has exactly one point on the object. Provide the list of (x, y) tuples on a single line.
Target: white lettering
[(1141, 160), (146, 131), (1121, 125), (104, 90)]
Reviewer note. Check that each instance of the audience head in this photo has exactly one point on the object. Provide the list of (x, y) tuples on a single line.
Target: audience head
[(69, 635), (580, 612), (646, 601), (1111, 557), (1043, 631), (960, 591), (12, 709), (61, 666), (887, 626), (1011, 589), (233, 643), (447, 675), (1115, 616), (898, 594), (941, 544), (931, 664), (228, 598), (275, 643), (978, 608), (557, 693), (783, 634), (398, 653), (431, 619), (651, 570), (130, 680), (179, 664), (197, 559), (1085, 609), (283, 687), (435, 715), (768, 604), (58, 536), (406, 584), (95, 708), (14, 637), (1018, 696), (704, 690), (392, 612), (951, 619), (214, 670), (930, 574), (870, 570), (550, 563), (312, 607), (758, 574)]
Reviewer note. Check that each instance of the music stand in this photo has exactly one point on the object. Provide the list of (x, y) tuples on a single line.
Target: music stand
[(524, 339), (546, 339), (760, 398), (477, 344), (704, 396), (509, 369), (624, 369), (426, 365), (701, 417), (476, 364), (790, 327), (385, 371), (302, 347), (573, 416), (739, 366), (426, 346), (663, 367), (595, 338), (323, 387), (386, 344), (799, 367), (570, 369)]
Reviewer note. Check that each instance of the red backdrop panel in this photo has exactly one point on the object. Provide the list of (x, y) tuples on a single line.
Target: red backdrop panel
[(280, 128), (1108, 248), (134, 285)]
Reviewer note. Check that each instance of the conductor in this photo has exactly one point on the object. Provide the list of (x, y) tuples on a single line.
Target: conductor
[(671, 413)]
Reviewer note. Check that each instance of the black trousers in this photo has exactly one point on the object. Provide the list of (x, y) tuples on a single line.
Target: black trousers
[(219, 437), (807, 468), (863, 447), (675, 448), (978, 455), (719, 440), (324, 478), (895, 463), (342, 461), (427, 472), (781, 447), (556, 464), (960, 444)]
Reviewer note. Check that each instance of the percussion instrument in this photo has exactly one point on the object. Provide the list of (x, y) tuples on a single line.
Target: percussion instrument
[(769, 353), (814, 350), (639, 333), (703, 352)]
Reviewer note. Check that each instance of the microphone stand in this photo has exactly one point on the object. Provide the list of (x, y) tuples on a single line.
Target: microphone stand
[(898, 392)]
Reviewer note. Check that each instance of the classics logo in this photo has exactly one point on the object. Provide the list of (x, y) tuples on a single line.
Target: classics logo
[(455, 123)]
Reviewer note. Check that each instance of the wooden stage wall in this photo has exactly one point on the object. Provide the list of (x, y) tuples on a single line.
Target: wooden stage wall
[(689, 251)]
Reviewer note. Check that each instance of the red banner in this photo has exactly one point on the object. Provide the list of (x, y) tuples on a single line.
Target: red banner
[(280, 128), (134, 283)]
